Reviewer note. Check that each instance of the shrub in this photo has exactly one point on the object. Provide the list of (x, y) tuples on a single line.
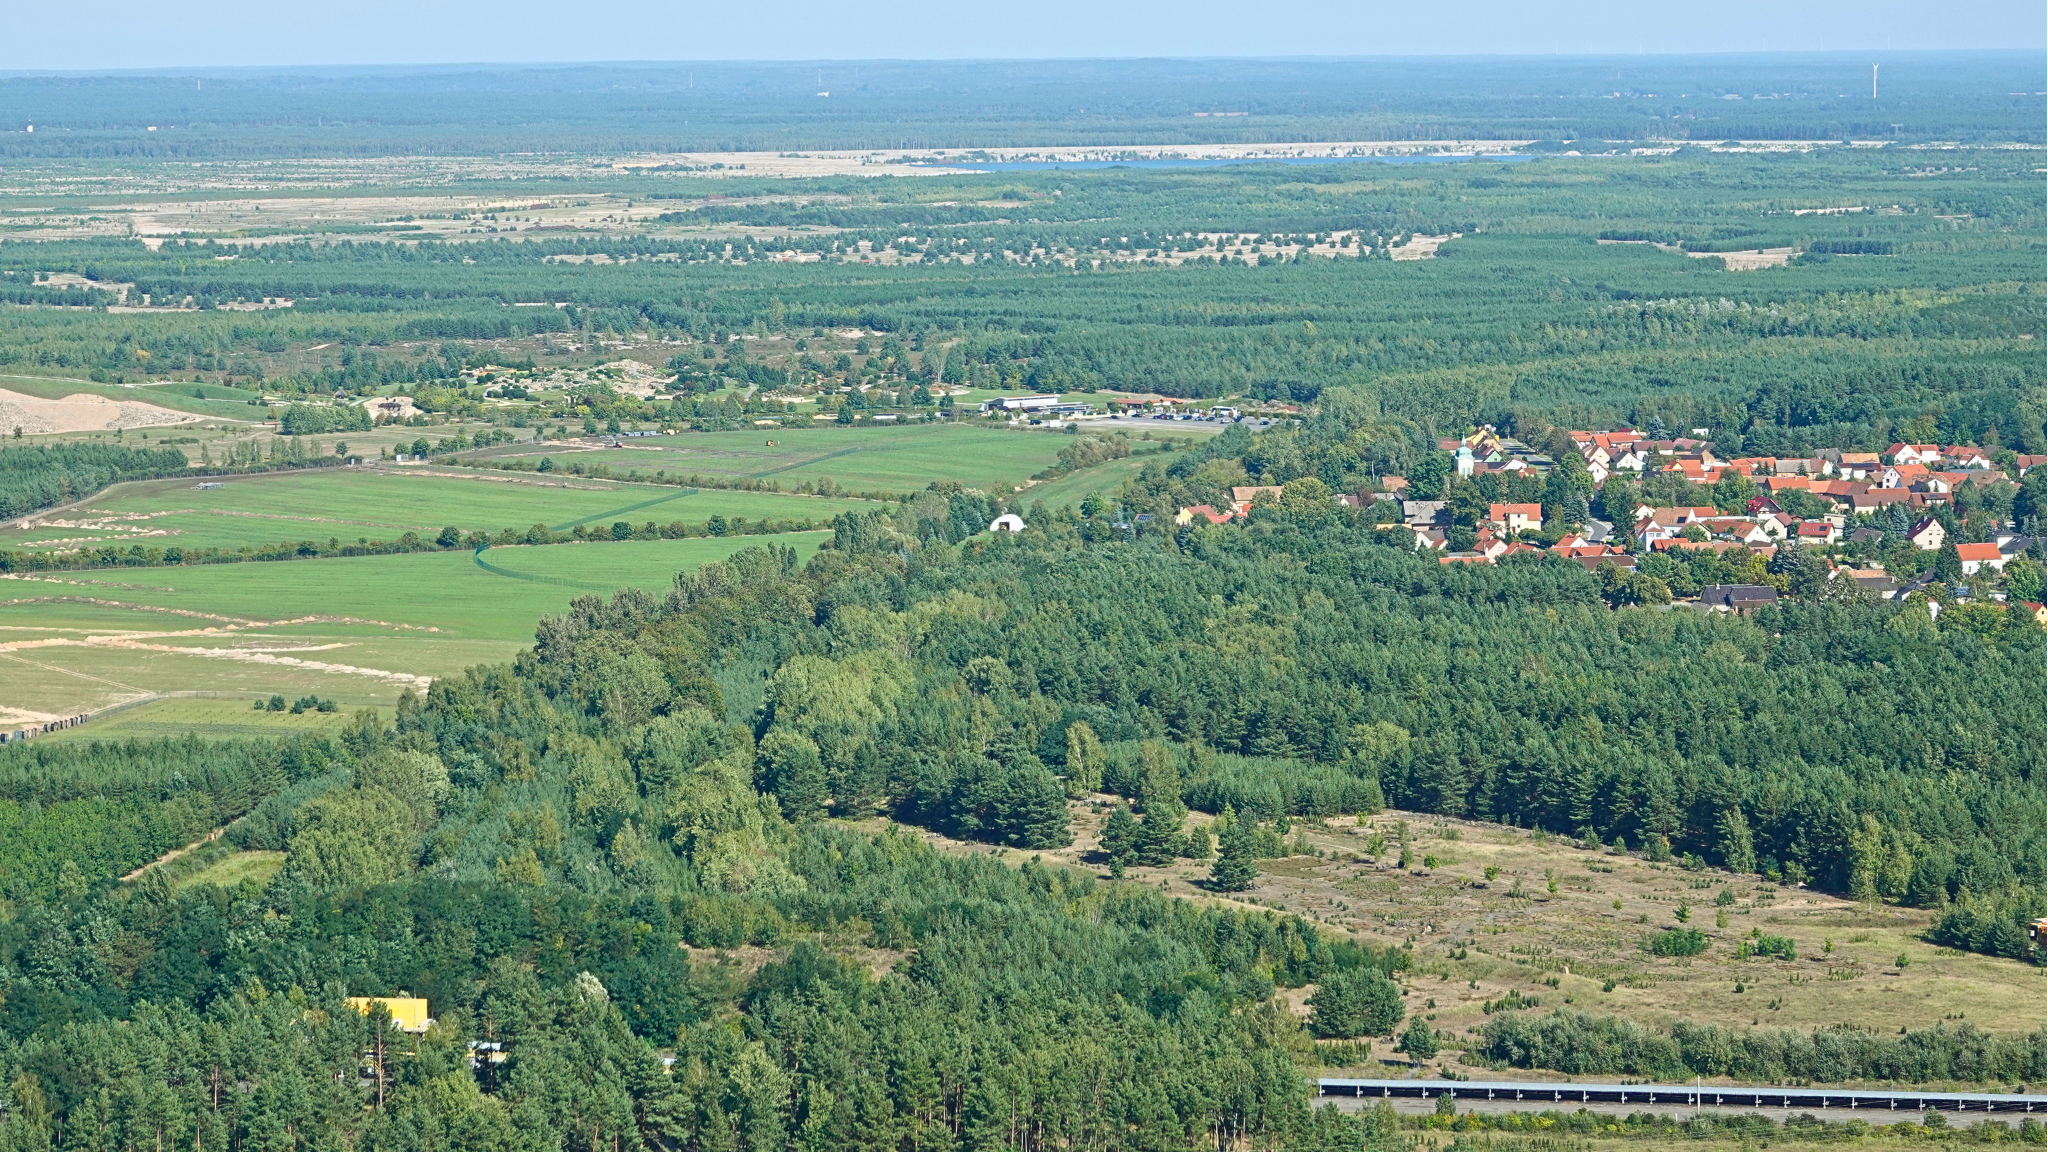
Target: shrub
[(1677, 942)]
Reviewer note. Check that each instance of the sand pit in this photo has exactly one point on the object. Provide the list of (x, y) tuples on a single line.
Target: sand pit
[(1421, 247), (1753, 259), (80, 412)]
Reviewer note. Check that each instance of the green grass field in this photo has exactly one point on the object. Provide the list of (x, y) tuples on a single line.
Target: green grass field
[(357, 630), (1104, 478), (220, 719), (904, 459), (384, 503)]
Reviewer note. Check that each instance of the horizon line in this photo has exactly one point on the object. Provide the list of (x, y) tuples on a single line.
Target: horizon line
[(814, 61)]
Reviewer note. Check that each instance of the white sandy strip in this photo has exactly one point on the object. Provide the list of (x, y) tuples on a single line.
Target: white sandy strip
[(261, 657), (249, 655), (232, 622)]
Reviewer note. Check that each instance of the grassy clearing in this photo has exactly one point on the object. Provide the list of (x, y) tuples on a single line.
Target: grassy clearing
[(1477, 939), (236, 869), (1071, 488), (210, 719), (355, 630), (903, 459), (385, 503)]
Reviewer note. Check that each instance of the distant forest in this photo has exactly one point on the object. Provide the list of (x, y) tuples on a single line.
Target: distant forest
[(471, 110), (1919, 318)]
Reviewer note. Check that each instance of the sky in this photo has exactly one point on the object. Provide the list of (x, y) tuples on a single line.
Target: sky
[(113, 34)]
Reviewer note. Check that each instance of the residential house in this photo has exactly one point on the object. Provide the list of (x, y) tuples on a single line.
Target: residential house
[(1741, 530), (1516, 517), (1738, 598), (1394, 484), (1837, 490), (1857, 465), (1877, 499), (1928, 535), (1677, 517), (1901, 475), (1188, 516), (1977, 557), (1914, 453), (1802, 466), (1697, 471), (1647, 532), (1818, 532), (1424, 513), (1962, 456), (1488, 545), (2022, 463), (1416, 539), (1630, 460), (1869, 580), (1241, 497), (1865, 536), (2011, 544)]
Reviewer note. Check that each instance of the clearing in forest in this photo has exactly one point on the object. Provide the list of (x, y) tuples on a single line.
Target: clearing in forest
[(1477, 908)]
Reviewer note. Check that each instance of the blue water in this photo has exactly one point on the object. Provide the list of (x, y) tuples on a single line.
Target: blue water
[(1031, 165)]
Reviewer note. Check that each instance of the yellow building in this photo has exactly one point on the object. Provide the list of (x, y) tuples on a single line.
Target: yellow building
[(408, 1013)]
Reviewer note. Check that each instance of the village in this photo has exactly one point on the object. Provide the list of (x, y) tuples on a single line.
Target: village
[(1929, 519)]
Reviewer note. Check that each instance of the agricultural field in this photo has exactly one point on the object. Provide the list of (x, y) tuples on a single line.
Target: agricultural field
[(358, 630), (383, 503), (217, 717), (876, 460)]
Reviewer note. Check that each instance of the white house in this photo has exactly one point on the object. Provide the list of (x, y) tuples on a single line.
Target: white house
[(1928, 535)]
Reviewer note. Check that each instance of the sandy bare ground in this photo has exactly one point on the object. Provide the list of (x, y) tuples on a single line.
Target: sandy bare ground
[(130, 641), (1420, 247), (396, 407), (1753, 259), (81, 412)]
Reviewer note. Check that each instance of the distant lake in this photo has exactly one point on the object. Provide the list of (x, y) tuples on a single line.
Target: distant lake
[(1029, 165)]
